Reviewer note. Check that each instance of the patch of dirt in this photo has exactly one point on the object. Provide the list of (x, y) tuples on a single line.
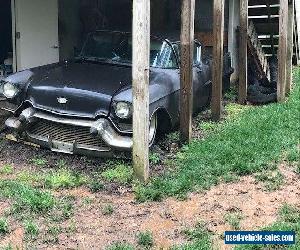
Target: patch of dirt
[(167, 219), (91, 229)]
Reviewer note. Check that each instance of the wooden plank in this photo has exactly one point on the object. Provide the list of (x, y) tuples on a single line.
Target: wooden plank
[(186, 74), (290, 46), (217, 70), (282, 50), (243, 73), (140, 85)]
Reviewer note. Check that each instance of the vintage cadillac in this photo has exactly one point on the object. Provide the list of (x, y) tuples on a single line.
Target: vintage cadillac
[(84, 106)]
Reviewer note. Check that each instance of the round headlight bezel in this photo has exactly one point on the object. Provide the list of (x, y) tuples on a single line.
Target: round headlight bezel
[(123, 110), (9, 90)]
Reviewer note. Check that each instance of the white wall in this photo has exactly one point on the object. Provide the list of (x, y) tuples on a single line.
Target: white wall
[(298, 15)]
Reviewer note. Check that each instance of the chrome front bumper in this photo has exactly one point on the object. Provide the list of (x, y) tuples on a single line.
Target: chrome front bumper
[(101, 129)]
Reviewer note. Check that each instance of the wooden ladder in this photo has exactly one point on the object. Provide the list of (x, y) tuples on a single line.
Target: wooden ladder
[(257, 53)]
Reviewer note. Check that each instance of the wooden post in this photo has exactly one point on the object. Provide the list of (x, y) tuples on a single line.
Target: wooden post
[(282, 50), (217, 71), (186, 69), (140, 85), (290, 46), (243, 57)]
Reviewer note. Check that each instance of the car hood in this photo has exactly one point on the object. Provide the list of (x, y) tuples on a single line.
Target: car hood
[(77, 88)]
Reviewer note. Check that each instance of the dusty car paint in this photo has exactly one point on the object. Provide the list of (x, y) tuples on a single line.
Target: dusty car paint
[(80, 89)]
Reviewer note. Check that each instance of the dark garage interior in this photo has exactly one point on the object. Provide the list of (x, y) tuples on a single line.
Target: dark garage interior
[(5, 30), (79, 17)]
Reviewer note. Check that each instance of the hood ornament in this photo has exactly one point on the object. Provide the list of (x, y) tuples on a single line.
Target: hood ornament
[(62, 100)]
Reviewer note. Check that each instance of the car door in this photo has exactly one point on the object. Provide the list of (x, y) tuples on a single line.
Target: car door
[(201, 79)]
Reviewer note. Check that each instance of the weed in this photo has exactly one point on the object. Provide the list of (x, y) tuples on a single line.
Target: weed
[(173, 137), (231, 94), (8, 247), (95, 185), (27, 178), (64, 178), (31, 228), (120, 246), (121, 174), (71, 227), (39, 162), (154, 158), (234, 220), (4, 228), (64, 209), (7, 169), (87, 201), (289, 213), (199, 237), (108, 209), (61, 163), (271, 179), (26, 197), (53, 233), (145, 239)]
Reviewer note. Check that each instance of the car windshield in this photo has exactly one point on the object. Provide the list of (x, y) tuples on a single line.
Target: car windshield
[(116, 47)]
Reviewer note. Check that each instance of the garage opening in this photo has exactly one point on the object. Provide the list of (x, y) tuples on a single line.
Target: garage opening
[(6, 48)]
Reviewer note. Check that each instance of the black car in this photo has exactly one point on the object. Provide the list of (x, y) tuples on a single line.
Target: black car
[(85, 105)]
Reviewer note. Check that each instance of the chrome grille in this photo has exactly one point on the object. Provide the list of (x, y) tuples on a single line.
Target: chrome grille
[(66, 134)]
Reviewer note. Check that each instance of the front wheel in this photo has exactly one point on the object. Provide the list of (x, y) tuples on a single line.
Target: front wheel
[(152, 129)]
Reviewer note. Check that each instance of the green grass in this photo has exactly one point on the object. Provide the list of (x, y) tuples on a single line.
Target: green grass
[(120, 246), (31, 229), (108, 209), (145, 239), (199, 239), (39, 162), (25, 197), (64, 178), (243, 144), (154, 158), (4, 228), (234, 220), (55, 179), (27, 178), (271, 179), (289, 220), (8, 247), (95, 185), (121, 174), (6, 169)]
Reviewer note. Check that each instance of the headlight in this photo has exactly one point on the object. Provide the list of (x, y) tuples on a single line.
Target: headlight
[(123, 110), (10, 90)]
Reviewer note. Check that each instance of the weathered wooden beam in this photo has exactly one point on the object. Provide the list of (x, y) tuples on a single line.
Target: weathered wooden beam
[(217, 70), (290, 46), (186, 69), (140, 86), (282, 50), (243, 57)]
